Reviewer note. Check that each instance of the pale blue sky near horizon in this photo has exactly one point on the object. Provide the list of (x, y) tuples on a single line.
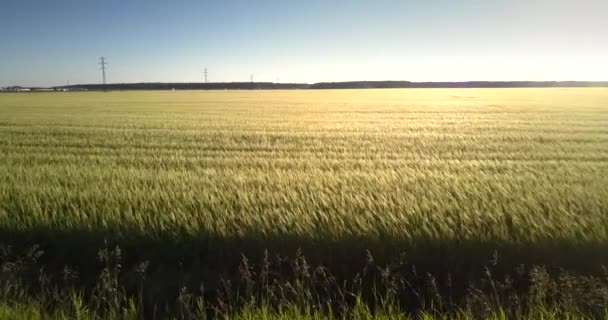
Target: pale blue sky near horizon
[(45, 43)]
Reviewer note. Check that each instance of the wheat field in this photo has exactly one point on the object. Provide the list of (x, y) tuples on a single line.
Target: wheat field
[(448, 175)]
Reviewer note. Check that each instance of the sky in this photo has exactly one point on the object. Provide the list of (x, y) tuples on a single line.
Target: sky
[(46, 43)]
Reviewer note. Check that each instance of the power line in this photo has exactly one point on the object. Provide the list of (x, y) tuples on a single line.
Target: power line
[(103, 64)]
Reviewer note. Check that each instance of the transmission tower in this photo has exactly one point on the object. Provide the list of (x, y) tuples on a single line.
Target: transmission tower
[(103, 63), (251, 78), (205, 72)]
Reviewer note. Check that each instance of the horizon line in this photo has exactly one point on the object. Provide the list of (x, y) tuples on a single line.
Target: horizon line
[(603, 82)]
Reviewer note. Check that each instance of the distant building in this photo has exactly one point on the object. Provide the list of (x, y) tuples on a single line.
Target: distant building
[(17, 89)]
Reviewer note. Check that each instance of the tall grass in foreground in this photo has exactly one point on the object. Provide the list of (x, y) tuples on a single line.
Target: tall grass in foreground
[(36, 312), (289, 287)]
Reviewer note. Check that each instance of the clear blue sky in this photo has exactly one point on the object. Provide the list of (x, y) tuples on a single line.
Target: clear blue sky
[(50, 42)]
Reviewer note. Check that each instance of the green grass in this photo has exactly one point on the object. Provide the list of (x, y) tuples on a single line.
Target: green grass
[(190, 180), (34, 311)]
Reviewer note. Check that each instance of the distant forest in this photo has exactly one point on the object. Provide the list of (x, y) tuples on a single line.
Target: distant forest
[(332, 85)]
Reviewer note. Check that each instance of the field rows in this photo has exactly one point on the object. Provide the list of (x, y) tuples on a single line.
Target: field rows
[(408, 167)]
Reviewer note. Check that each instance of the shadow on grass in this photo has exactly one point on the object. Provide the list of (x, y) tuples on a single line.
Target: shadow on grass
[(186, 260), (209, 257)]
